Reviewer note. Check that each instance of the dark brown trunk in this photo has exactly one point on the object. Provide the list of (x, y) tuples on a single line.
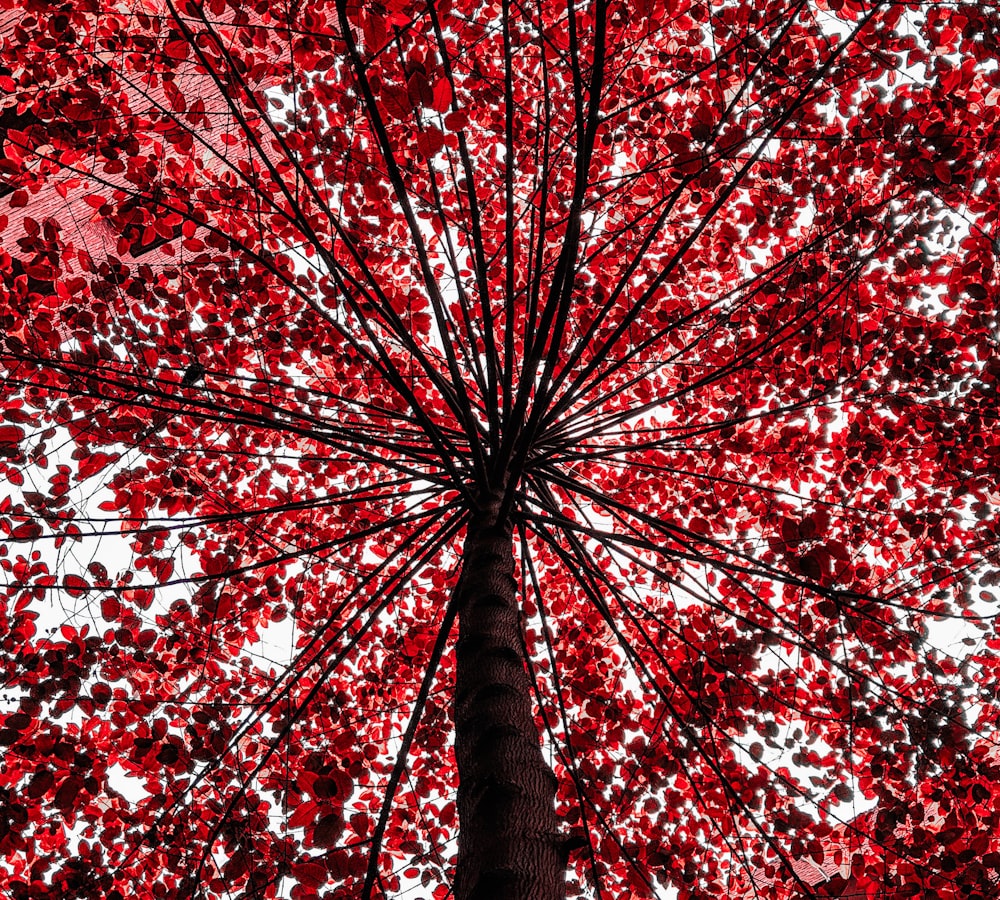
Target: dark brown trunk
[(508, 847)]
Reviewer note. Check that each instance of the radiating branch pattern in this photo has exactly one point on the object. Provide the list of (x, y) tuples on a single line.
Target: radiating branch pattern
[(515, 450)]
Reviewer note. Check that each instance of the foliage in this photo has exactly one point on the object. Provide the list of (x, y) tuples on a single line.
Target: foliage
[(704, 293)]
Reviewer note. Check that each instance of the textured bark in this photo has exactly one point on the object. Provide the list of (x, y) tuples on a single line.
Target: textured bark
[(508, 847)]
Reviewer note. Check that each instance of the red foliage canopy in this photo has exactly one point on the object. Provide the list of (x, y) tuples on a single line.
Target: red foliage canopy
[(699, 299)]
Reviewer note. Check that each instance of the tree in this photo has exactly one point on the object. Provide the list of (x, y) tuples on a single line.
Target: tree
[(598, 401)]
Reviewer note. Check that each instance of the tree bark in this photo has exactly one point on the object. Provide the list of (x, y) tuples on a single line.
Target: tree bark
[(508, 846)]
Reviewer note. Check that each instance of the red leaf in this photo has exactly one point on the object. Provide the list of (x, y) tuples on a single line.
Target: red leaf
[(337, 784), (456, 121), (303, 815), (442, 96), (101, 693), (328, 829), (790, 531), (310, 874), (41, 783), (76, 586), (95, 463), (430, 141), (236, 867), (11, 435), (68, 793), (418, 90), (26, 531), (110, 608), (18, 721), (78, 112), (177, 50), (397, 102)]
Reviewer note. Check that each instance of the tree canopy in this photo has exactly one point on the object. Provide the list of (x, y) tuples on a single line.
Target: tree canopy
[(652, 347)]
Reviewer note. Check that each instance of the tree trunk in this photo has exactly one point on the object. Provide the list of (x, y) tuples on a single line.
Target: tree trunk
[(508, 846)]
